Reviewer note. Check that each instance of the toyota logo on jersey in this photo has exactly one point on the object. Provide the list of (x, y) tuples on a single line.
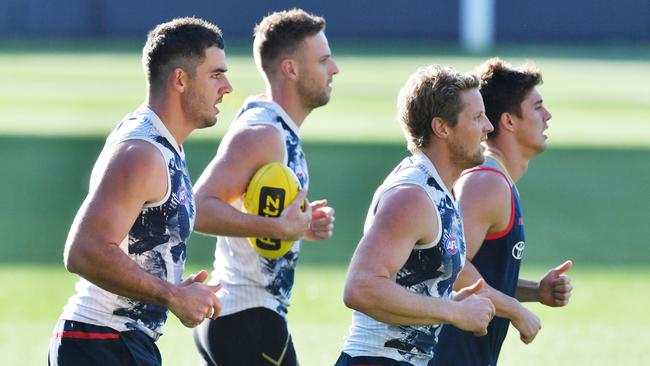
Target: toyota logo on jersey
[(518, 250)]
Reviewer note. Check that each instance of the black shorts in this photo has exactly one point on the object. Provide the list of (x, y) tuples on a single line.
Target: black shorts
[(80, 344), (347, 360), (257, 336)]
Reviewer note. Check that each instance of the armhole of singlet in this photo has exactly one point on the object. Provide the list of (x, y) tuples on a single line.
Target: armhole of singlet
[(169, 179), (511, 221), (285, 159), (435, 241), (414, 183)]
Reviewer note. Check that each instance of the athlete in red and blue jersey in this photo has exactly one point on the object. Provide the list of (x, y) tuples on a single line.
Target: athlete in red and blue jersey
[(494, 229)]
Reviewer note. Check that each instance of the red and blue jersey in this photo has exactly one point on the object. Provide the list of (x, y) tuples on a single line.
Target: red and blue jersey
[(498, 262)]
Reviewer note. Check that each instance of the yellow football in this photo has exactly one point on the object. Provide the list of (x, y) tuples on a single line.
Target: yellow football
[(273, 187)]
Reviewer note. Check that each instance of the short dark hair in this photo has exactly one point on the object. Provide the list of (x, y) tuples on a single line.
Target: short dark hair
[(432, 91), (503, 88), (281, 33), (179, 43)]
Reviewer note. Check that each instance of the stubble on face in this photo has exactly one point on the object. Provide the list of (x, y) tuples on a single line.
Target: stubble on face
[(465, 157), (314, 83), (464, 145), (198, 107)]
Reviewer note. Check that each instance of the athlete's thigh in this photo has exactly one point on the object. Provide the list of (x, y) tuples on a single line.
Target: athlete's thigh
[(347, 360), (276, 343), (79, 344), (257, 336)]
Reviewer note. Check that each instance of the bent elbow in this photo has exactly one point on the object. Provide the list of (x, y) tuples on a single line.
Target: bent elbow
[(70, 263), (349, 299), (73, 260), (354, 298)]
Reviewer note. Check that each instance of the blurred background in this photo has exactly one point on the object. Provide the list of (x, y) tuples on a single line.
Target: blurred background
[(71, 70)]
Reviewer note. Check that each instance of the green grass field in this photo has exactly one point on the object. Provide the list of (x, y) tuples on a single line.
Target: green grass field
[(603, 325), (585, 199)]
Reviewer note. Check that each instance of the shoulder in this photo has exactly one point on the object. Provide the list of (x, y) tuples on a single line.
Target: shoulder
[(483, 183), (258, 114), (405, 196), (261, 133), (138, 164), (484, 190), (407, 208), (135, 154), (252, 141)]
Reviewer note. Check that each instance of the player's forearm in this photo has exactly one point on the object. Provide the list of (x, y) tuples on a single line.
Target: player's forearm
[(527, 290), (506, 306), (216, 217), (384, 300), (108, 267)]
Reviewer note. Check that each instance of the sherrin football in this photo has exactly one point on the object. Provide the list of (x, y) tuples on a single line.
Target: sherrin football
[(273, 187)]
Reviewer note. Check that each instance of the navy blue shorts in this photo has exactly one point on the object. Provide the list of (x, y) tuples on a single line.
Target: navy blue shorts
[(251, 337), (347, 360), (78, 344)]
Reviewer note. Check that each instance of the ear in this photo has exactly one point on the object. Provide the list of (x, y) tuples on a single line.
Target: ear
[(178, 79), (289, 68), (506, 122), (439, 127)]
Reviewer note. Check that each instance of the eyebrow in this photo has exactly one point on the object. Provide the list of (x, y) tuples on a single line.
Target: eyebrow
[(218, 70)]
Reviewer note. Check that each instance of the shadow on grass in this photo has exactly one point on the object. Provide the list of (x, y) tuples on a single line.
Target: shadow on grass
[(586, 204)]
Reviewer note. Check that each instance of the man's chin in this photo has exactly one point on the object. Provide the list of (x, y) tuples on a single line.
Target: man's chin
[(209, 123), (477, 160)]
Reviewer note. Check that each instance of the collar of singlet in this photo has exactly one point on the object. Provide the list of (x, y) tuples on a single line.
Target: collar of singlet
[(501, 164)]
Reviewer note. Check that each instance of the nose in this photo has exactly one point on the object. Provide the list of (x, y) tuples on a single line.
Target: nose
[(548, 115), (488, 125), (227, 88), (334, 68)]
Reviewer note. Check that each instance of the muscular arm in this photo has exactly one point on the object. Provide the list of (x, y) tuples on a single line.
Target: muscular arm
[(403, 218), (485, 201), (134, 175), (240, 155)]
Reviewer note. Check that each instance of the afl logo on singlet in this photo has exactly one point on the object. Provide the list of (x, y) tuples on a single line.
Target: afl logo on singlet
[(452, 245), (182, 195), (518, 250)]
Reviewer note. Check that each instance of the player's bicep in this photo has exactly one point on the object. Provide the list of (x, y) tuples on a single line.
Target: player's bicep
[(134, 175), (484, 201), (403, 219), (239, 156)]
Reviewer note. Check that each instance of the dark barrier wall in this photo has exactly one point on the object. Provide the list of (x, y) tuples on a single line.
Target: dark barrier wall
[(549, 20)]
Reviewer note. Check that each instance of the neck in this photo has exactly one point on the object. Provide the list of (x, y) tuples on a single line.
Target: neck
[(289, 99), (510, 156), (171, 114), (441, 160)]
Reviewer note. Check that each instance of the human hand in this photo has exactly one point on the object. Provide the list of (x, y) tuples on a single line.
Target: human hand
[(294, 221), (195, 301), (476, 311), (322, 221), (527, 323), (479, 287), (555, 287)]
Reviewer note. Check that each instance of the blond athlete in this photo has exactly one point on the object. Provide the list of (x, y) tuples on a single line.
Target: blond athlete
[(400, 279)]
